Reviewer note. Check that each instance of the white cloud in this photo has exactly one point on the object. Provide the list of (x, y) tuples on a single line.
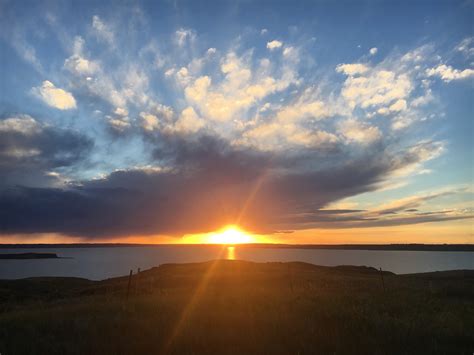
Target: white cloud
[(149, 122), (377, 87), (170, 72), (240, 89), (55, 97), (119, 125), (26, 51), (80, 65), (307, 106), (359, 132), (184, 36), (188, 122), (373, 51), (466, 46), (426, 98), (121, 111), (102, 30), (401, 122), (23, 124), (77, 64), (352, 69), (399, 105), (158, 116), (274, 44), (279, 135), (264, 31), (448, 73)]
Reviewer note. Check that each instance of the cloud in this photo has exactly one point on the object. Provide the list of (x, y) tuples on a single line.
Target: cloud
[(207, 183), (184, 35), (26, 51), (448, 73), (54, 97), (189, 121), (404, 211), (29, 150), (240, 89), (119, 124), (77, 63), (103, 31), (359, 132), (217, 135), (466, 47), (22, 124), (121, 111), (374, 87), (373, 51), (399, 105), (275, 44), (352, 69)]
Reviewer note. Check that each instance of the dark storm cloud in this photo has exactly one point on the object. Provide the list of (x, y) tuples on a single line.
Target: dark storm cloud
[(30, 150), (208, 184)]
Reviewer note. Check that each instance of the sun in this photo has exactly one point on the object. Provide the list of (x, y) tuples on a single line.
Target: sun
[(230, 235)]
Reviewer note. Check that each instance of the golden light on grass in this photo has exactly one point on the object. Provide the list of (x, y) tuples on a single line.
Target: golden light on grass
[(230, 235)]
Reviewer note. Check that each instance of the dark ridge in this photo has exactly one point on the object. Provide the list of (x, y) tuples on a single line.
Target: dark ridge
[(15, 256)]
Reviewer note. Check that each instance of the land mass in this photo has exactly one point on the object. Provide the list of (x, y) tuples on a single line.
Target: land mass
[(13, 256), (238, 307)]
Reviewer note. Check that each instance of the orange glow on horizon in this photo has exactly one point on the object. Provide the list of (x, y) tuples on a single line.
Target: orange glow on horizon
[(449, 232), (230, 235)]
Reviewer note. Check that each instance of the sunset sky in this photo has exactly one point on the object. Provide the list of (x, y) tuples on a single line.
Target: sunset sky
[(297, 121)]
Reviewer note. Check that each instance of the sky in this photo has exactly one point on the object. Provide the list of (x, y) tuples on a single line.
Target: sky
[(297, 121)]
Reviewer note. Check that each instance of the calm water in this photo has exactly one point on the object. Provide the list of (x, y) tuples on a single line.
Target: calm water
[(105, 262)]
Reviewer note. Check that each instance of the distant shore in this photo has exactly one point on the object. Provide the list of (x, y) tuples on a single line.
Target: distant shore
[(24, 256), (389, 247)]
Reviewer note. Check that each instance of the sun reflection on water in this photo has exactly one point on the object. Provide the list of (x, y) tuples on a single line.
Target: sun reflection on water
[(230, 253)]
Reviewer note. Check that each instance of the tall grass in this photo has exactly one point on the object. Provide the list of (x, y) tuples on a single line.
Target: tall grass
[(243, 308)]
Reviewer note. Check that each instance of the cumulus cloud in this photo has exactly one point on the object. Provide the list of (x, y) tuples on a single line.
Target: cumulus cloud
[(275, 44), (448, 73), (77, 63), (352, 69), (359, 132), (189, 121), (54, 96), (376, 87), (240, 89), (121, 111)]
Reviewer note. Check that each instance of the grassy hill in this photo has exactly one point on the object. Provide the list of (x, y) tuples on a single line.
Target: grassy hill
[(236, 307)]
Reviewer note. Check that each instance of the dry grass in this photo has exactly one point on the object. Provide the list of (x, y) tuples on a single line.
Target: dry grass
[(234, 307)]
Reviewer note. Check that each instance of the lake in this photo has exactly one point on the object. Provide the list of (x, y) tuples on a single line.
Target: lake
[(97, 263)]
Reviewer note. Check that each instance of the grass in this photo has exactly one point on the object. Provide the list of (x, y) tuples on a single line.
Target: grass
[(236, 307)]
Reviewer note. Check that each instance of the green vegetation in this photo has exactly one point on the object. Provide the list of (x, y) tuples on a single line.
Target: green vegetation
[(236, 307)]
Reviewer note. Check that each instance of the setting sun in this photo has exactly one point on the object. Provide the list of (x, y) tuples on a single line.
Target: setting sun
[(230, 235)]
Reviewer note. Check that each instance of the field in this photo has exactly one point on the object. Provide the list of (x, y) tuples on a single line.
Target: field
[(236, 307)]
